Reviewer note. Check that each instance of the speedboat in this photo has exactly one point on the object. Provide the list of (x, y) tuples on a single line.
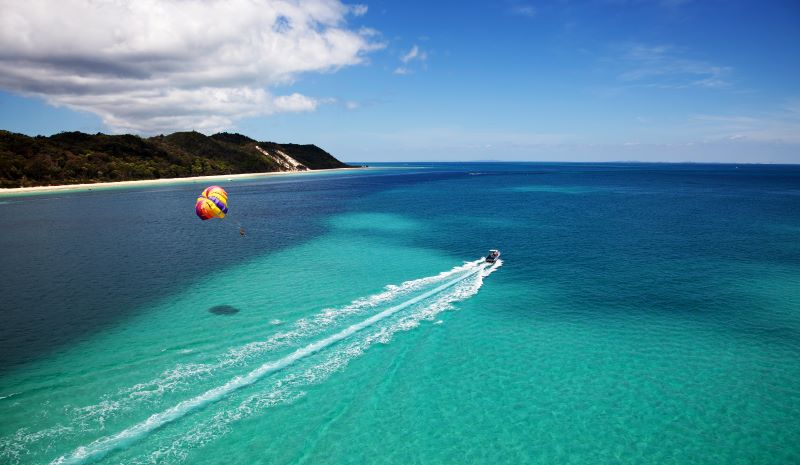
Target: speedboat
[(493, 256)]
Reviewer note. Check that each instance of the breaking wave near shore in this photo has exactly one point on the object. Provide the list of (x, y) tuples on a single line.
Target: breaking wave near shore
[(162, 414)]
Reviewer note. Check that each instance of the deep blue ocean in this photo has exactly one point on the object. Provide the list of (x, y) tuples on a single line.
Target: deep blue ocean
[(641, 313)]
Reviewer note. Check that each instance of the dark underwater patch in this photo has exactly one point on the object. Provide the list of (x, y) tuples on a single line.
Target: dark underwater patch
[(223, 310)]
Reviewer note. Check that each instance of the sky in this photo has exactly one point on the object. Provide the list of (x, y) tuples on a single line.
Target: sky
[(506, 80)]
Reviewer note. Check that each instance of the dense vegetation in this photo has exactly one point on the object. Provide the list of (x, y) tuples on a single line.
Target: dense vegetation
[(75, 157)]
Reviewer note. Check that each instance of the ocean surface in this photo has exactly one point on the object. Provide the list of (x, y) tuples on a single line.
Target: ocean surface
[(642, 314)]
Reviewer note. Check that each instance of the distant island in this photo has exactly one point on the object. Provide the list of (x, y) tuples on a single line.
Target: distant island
[(79, 158)]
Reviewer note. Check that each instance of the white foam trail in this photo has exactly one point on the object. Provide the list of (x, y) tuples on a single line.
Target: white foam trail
[(288, 389), (105, 445), (302, 328), (175, 378)]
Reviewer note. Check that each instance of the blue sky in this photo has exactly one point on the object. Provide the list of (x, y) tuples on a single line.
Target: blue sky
[(447, 80)]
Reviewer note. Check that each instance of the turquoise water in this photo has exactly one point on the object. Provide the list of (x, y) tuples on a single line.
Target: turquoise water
[(641, 314)]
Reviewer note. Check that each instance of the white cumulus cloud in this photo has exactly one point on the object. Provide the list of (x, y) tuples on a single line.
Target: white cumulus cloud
[(156, 65), (295, 102)]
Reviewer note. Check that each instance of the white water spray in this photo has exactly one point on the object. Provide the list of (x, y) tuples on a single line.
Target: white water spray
[(103, 446)]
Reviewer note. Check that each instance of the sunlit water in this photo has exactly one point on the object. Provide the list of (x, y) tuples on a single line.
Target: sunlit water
[(641, 314)]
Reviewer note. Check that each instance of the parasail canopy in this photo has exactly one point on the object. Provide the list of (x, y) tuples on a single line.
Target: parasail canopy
[(212, 203)]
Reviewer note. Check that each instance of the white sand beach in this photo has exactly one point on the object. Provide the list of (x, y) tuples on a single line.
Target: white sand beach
[(149, 182)]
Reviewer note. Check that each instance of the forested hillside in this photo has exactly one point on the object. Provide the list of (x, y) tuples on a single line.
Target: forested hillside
[(75, 157)]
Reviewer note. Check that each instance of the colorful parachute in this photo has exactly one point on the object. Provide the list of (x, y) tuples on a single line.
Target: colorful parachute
[(212, 203)]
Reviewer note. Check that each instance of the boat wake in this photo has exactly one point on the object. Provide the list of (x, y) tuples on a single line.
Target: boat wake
[(397, 308), (181, 376)]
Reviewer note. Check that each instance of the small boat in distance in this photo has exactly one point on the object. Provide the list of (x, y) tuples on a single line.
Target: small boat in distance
[(493, 256)]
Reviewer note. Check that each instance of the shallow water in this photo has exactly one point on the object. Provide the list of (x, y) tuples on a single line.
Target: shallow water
[(642, 314)]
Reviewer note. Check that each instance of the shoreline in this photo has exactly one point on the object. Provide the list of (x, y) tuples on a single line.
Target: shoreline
[(154, 182)]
